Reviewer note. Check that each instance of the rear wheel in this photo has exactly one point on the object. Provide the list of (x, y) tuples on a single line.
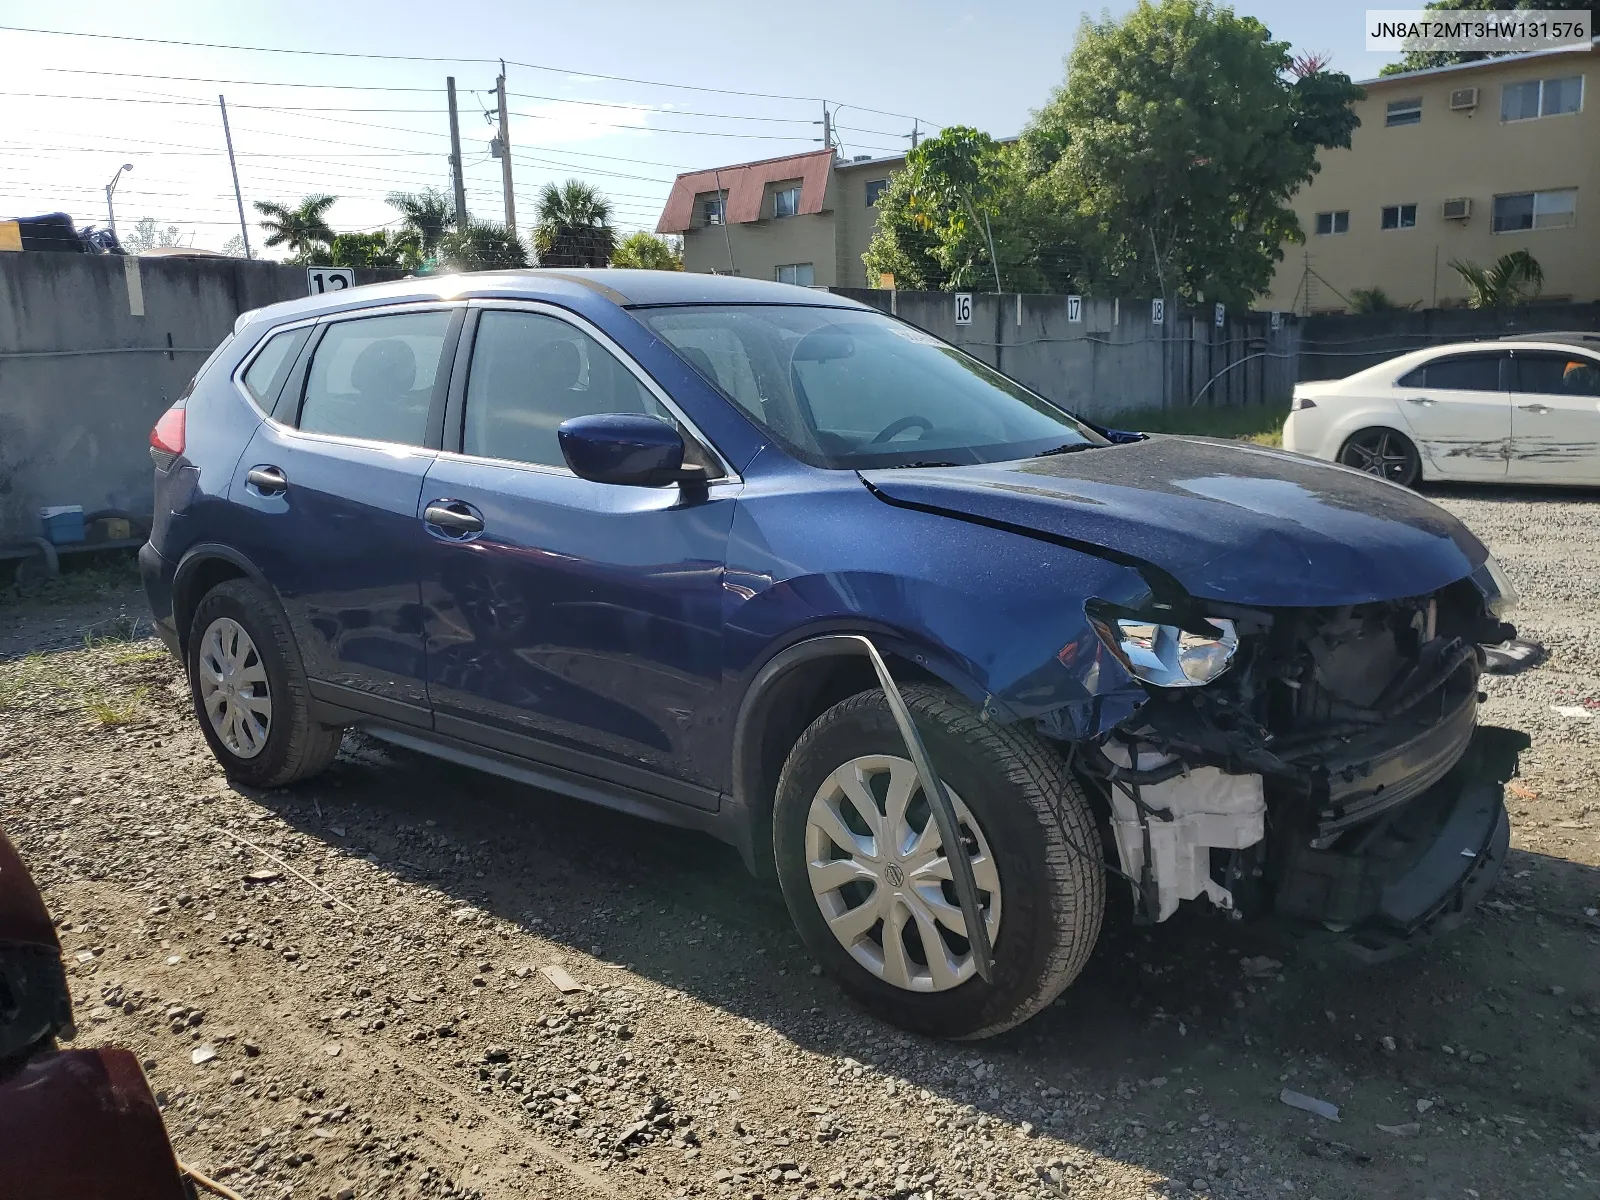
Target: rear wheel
[(250, 695), (1386, 453), (865, 875)]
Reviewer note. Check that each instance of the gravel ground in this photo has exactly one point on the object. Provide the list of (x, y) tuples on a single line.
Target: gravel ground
[(339, 990)]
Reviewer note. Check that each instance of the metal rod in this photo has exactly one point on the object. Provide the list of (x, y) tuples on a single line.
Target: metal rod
[(944, 815), (238, 197)]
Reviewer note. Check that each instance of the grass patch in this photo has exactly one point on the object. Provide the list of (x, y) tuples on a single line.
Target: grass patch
[(83, 577), (111, 711), (139, 656), (1260, 425)]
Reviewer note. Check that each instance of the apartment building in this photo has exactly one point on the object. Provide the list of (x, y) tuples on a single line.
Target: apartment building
[(1462, 162), (804, 219)]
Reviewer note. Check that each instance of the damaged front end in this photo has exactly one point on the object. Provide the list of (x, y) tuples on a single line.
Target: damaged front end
[(1324, 764)]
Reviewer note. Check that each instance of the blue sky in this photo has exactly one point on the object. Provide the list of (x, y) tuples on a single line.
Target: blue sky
[(73, 109)]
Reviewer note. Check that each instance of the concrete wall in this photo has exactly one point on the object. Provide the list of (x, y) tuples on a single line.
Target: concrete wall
[(1335, 346), (1113, 360), (83, 376), (1469, 154)]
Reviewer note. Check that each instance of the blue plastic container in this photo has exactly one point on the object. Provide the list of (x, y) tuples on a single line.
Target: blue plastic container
[(62, 523)]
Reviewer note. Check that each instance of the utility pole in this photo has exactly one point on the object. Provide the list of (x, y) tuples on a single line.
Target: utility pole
[(916, 133), (455, 156), (827, 126), (238, 197), (505, 151)]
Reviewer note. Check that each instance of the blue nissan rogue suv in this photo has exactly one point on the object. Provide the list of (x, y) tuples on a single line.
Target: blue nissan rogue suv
[(764, 562)]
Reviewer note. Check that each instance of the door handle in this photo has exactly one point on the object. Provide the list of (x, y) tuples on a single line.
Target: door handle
[(453, 517), (1534, 408), (269, 481), (1420, 399)]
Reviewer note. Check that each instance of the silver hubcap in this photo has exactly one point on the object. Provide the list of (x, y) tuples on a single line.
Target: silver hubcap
[(880, 876), (233, 688), (1381, 454)]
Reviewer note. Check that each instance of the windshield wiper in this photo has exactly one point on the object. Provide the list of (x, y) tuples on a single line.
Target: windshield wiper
[(1069, 448), (926, 464)]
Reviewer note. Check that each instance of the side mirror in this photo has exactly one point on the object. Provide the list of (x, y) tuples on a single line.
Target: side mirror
[(625, 448)]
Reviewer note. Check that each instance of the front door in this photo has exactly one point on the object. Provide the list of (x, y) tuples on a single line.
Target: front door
[(1460, 411), (573, 622), (330, 502), (1555, 417)]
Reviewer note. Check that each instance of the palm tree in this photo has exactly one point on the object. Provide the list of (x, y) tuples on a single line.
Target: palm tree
[(303, 229), (426, 215), (647, 251), (1511, 281), (482, 246), (574, 228)]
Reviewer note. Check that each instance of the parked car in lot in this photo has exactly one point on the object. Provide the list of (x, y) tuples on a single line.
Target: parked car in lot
[(1518, 410), (646, 538)]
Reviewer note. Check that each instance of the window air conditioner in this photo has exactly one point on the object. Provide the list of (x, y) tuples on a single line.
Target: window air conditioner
[(1463, 98), (1457, 210)]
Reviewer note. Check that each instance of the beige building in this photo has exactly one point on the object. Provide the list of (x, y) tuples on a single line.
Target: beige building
[(804, 219), (1464, 162)]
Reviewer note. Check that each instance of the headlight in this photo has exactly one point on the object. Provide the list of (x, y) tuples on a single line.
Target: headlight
[(1167, 656), (1499, 596)]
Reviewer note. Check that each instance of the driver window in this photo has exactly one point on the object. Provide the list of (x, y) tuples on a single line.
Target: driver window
[(531, 372)]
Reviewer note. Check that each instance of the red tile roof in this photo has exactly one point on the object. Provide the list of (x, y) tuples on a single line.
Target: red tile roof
[(746, 184)]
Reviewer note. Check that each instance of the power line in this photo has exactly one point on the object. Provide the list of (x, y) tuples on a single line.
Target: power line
[(691, 87)]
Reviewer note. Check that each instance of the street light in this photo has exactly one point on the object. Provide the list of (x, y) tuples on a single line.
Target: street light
[(111, 214)]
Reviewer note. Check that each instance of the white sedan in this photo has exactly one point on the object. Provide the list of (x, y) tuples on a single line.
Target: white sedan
[(1523, 410)]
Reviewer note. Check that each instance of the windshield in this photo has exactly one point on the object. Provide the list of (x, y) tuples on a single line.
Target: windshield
[(845, 389)]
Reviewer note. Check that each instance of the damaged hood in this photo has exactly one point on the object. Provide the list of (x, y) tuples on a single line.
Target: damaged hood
[(1227, 521)]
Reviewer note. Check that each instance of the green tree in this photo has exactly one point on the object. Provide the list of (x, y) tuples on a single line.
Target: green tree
[(303, 229), (964, 211), (574, 226), (1513, 280), (1179, 136), (426, 215), (378, 249), (482, 246), (1375, 300), (1423, 60), (648, 252)]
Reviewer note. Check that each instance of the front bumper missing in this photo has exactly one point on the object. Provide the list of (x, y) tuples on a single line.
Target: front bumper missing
[(1418, 871)]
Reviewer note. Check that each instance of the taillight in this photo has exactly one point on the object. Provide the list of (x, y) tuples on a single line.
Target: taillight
[(166, 439)]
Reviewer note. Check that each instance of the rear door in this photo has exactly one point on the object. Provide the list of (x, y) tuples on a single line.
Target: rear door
[(572, 622), (1555, 417), (329, 490), (1459, 408)]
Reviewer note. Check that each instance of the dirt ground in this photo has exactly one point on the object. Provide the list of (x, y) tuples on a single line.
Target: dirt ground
[(337, 989)]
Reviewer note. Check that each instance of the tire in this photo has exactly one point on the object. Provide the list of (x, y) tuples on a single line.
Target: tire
[(1386, 453), (294, 746), (1040, 834)]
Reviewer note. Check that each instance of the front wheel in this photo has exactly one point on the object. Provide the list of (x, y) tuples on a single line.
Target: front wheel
[(864, 872), (1386, 453)]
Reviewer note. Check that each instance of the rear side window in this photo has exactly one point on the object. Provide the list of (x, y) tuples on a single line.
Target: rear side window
[(1557, 374), (373, 378), (1462, 373), (271, 367), (530, 373)]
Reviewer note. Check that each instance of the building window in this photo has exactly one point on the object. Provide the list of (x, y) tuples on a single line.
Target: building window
[(874, 190), (1404, 112), (799, 274), (1535, 210), (1399, 216), (715, 210), (786, 201), (1541, 98), (1333, 222)]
